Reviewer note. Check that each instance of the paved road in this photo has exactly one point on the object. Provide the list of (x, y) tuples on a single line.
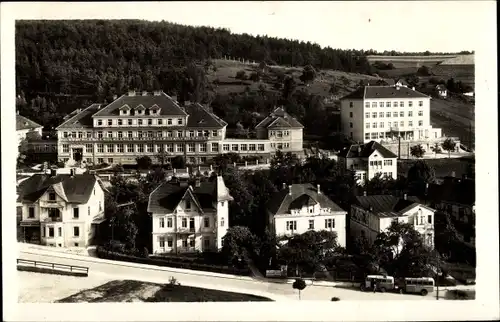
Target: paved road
[(120, 270)]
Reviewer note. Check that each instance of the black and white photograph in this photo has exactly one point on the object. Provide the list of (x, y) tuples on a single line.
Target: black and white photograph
[(254, 154)]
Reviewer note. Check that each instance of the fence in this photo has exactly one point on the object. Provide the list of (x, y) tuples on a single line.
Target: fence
[(54, 266)]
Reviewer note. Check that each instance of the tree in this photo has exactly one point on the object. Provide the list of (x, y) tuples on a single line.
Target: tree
[(289, 86), (241, 75), (423, 71), (222, 160), (308, 74), (380, 185), (33, 136), (161, 156), (449, 145), (238, 243), (436, 149), (417, 151), (240, 209), (419, 176), (144, 162), (178, 162), (299, 284)]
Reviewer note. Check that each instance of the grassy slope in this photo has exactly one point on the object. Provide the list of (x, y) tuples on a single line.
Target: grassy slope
[(442, 167), (135, 291)]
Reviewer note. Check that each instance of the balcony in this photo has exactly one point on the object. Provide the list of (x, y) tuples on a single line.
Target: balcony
[(52, 219), (51, 204), (186, 230)]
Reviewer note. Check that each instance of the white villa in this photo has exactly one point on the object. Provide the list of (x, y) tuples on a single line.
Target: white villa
[(299, 208), (61, 210), (189, 218)]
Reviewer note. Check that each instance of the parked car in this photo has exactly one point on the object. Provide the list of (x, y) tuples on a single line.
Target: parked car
[(383, 283), (417, 285)]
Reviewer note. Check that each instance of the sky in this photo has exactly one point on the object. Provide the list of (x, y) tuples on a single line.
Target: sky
[(437, 26)]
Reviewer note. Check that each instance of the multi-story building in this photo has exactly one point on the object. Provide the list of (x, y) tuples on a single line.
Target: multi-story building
[(299, 208), (61, 210), (386, 113), (24, 126), (189, 218), (138, 124), (371, 215), (368, 160)]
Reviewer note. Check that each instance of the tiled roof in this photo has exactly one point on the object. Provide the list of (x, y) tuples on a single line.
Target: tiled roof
[(375, 92), (168, 195), (365, 150), (302, 194), (279, 118), (166, 103), (384, 205), (24, 123), (76, 189), (83, 119), (200, 116)]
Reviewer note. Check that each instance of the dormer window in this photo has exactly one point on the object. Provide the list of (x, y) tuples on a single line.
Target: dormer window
[(99, 122), (155, 110), (125, 110), (52, 196)]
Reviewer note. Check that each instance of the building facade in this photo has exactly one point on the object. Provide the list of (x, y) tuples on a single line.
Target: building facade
[(371, 215), (139, 124), (61, 210), (299, 208), (189, 218), (368, 160), (384, 113)]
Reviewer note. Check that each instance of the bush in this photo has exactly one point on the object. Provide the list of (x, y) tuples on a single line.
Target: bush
[(461, 295), (335, 299), (254, 77), (241, 75)]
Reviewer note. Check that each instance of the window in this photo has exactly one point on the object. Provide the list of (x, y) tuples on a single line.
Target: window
[(381, 134), (374, 114), (110, 160), (387, 162), (260, 147), (395, 114), (184, 243), (169, 121), (381, 104), (311, 224), (410, 104), (31, 212), (130, 147), (420, 113), (51, 232), (180, 147), (206, 242), (367, 125), (374, 125), (140, 148), (65, 148), (100, 160), (179, 121), (206, 222), (388, 104), (329, 223), (88, 208), (162, 222), (150, 122), (401, 104), (191, 242), (99, 134), (410, 113), (149, 147), (184, 222), (110, 122), (80, 135), (420, 103), (243, 147), (139, 122), (234, 147), (429, 219), (99, 122), (120, 122), (381, 125), (73, 134), (110, 134), (191, 134), (367, 104), (76, 213), (76, 231), (222, 222), (120, 134), (162, 241), (410, 123), (401, 114), (89, 148), (169, 222), (351, 104), (52, 196), (402, 123), (420, 123), (367, 115), (129, 121), (375, 135), (367, 136), (169, 242), (251, 147), (395, 104), (110, 148), (191, 147), (119, 148), (388, 114), (374, 104), (89, 135), (214, 132), (350, 114), (291, 225), (170, 147), (188, 204), (150, 134), (381, 114), (59, 231), (350, 125), (160, 122)]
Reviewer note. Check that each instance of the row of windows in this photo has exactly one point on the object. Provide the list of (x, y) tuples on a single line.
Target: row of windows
[(388, 114), (184, 222), (381, 125), (377, 135), (76, 210), (393, 104), (243, 147), (141, 148), (292, 224), (131, 122), (140, 134), (190, 160), (185, 242), (279, 134), (280, 145), (379, 163), (50, 232)]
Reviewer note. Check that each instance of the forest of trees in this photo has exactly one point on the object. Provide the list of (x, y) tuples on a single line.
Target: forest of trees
[(64, 65)]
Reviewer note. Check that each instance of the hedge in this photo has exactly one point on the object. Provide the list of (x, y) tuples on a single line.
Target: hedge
[(102, 253)]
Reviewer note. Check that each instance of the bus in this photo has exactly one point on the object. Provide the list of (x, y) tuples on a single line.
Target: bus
[(417, 285), (384, 283)]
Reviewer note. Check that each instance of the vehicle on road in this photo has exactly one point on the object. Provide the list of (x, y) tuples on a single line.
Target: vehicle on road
[(417, 285), (382, 283)]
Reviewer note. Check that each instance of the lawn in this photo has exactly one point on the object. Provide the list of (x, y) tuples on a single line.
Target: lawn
[(136, 291)]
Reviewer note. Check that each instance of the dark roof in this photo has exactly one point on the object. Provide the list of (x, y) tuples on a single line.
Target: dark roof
[(365, 150), (82, 119), (279, 118), (200, 116), (77, 189), (168, 195), (166, 103), (461, 191), (384, 205), (302, 194), (24, 123), (371, 92)]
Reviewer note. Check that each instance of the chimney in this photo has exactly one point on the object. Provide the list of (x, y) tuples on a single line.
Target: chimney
[(364, 193), (290, 190), (115, 97), (157, 93), (131, 93), (144, 93), (284, 186), (318, 188), (405, 196)]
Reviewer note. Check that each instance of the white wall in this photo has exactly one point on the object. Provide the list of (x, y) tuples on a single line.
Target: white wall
[(357, 118)]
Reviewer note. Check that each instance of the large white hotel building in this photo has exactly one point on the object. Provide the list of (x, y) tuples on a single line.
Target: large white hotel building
[(382, 113), (145, 123)]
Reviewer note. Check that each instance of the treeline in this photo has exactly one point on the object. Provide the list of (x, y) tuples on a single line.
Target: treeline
[(96, 59), (372, 52)]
